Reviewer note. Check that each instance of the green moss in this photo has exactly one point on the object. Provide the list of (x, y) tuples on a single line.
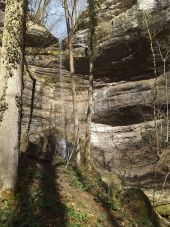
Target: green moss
[(112, 182), (8, 208), (140, 208), (164, 210)]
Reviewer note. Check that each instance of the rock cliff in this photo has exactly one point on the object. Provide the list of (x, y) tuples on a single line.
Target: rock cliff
[(123, 128), (126, 84), (124, 89)]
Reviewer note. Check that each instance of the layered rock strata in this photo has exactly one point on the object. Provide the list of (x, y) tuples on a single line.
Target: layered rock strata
[(125, 88)]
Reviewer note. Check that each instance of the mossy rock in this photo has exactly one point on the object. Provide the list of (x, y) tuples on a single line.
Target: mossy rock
[(164, 210), (7, 195), (112, 181), (140, 208)]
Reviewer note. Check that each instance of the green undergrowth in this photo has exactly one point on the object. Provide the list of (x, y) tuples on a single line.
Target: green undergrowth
[(38, 201), (92, 183), (130, 207), (48, 195), (164, 210)]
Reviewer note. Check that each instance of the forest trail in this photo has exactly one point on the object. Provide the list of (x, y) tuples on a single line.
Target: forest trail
[(51, 195)]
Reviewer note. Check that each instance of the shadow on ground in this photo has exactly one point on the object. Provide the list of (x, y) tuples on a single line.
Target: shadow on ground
[(100, 193), (38, 193)]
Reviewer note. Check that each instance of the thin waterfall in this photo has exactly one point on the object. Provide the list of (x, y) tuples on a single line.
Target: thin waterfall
[(63, 141)]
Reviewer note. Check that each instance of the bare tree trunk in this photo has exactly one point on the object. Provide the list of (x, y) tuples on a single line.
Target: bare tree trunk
[(156, 114), (90, 90), (89, 117), (70, 31), (74, 96), (75, 110), (11, 91), (167, 103), (164, 54), (32, 98)]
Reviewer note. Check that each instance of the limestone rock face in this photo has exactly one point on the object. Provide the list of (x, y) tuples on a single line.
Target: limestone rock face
[(39, 36), (47, 103), (125, 84), (122, 39), (123, 128)]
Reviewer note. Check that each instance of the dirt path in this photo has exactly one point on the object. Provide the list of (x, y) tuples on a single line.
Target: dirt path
[(49, 195), (80, 200)]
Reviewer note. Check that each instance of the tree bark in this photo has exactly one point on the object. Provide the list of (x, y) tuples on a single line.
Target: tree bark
[(11, 90), (167, 102), (92, 16), (89, 117), (70, 31)]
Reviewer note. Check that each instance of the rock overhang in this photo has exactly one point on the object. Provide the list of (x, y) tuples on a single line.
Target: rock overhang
[(123, 45)]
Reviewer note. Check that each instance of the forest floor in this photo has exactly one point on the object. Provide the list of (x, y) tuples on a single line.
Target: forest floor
[(51, 195)]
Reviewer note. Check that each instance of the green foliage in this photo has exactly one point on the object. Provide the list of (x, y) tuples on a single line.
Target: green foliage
[(93, 184), (139, 207), (7, 211), (33, 200), (106, 200), (76, 216), (164, 210), (143, 223)]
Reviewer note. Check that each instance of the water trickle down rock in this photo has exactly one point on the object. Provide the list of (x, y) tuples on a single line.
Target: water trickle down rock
[(123, 90)]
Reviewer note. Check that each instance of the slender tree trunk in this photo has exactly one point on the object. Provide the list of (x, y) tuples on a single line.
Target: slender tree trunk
[(89, 117), (11, 91), (90, 90), (32, 101), (74, 95), (155, 101), (75, 110), (70, 27), (167, 102)]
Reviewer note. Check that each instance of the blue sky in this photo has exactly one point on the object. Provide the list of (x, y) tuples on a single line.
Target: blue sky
[(55, 18)]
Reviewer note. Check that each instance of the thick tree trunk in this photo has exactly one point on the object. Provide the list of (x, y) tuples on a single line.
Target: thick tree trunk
[(11, 91)]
